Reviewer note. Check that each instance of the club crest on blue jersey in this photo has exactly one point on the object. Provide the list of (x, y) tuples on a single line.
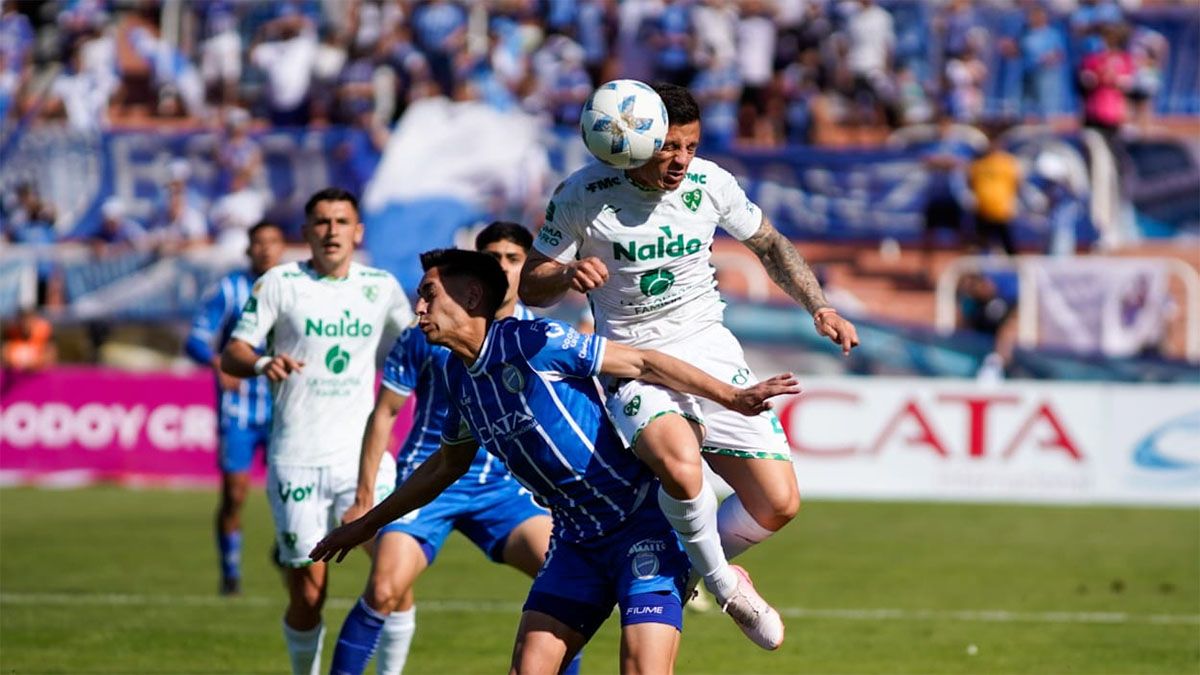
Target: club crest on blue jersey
[(645, 565), (512, 378)]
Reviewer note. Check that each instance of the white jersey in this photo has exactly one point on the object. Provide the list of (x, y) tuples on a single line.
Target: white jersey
[(333, 326), (657, 246)]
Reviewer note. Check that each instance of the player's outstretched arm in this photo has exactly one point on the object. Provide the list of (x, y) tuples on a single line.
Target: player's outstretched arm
[(240, 360), (374, 443), (653, 366), (787, 268), (544, 281), (436, 474)]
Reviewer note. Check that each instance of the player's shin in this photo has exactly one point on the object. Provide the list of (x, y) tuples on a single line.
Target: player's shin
[(695, 521), (304, 648), (393, 645), (357, 639)]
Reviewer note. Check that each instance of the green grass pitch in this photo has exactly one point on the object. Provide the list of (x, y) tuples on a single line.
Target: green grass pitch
[(106, 580)]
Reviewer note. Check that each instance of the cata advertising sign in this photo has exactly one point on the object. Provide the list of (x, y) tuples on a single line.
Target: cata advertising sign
[(882, 438)]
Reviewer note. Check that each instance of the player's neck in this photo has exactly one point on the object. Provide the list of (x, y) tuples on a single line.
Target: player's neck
[(507, 309), (340, 271), (467, 344)]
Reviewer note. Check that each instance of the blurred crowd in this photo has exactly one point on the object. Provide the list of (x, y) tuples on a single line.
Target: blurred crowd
[(767, 72)]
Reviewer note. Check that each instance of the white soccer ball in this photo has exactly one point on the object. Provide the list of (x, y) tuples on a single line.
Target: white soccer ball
[(623, 123)]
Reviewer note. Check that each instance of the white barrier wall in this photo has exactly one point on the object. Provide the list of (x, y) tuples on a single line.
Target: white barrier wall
[(1022, 441)]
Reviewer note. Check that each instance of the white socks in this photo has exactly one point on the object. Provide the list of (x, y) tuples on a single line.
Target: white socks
[(394, 642), (695, 521), (304, 648), (739, 530)]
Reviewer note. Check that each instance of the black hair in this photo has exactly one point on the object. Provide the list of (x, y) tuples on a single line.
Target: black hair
[(330, 194), (681, 105), (262, 225), (456, 262), (503, 230)]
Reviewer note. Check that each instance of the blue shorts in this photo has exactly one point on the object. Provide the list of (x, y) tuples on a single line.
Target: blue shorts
[(641, 568), (485, 514), (235, 450)]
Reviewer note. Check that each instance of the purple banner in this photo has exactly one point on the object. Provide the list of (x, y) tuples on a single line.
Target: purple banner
[(82, 424)]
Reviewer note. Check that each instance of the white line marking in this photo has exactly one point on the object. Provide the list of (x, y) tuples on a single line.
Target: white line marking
[(506, 607)]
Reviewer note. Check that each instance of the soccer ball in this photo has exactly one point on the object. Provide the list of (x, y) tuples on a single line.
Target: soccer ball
[(623, 123)]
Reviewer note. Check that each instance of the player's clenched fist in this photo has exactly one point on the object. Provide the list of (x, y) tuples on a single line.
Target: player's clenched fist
[(280, 367), (588, 273)]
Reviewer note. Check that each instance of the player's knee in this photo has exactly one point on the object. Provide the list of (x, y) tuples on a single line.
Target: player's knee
[(383, 596), (778, 509)]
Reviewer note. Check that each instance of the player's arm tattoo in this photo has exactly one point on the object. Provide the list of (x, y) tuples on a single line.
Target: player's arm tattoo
[(786, 267)]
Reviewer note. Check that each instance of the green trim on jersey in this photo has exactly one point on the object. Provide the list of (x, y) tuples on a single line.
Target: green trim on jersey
[(747, 454), (637, 434)]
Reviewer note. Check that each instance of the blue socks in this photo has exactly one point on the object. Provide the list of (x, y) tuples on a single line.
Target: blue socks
[(230, 546), (358, 639), (573, 666)]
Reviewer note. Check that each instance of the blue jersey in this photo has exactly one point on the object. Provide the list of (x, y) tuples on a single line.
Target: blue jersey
[(414, 366), (532, 399), (250, 405)]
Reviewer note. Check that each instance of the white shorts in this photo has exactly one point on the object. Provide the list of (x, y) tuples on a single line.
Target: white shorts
[(308, 501), (715, 350)]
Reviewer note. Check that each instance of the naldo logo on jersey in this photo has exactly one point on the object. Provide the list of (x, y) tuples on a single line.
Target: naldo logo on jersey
[(663, 247), (345, 326)]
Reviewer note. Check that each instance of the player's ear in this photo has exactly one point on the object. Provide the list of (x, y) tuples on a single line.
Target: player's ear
[(474, 295), (358, 234)]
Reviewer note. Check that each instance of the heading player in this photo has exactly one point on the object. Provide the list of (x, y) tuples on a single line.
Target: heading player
[(638, 243), (526, 391), (486, 504), (243, 406), (324, 318)]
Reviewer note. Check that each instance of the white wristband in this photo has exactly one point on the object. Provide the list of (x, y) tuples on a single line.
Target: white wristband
[(261, 364)]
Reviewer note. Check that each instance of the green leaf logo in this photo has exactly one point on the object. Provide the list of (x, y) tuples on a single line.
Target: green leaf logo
[(632, 408), (692, 199), (337, 359), (656, 282)]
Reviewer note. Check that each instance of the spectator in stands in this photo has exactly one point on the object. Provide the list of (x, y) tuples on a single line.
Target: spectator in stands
[(1148, 48), (1088, 22), (333, 53), (238, 153), (81, 94), (966, 75), (179, 224), (16, 45), (285, 50), (871, 41), (356, 87), (1106, 76), (179, 87), (570, 88), (717, 88), (596, 31), (220, 50), (945, 161), (234, 214), (118, 233), (29, 221), (440, 28), (409, 70), (995, 180), (756, 61), (956, 23), (1043, 54), (714, 24), (670, 37), (28, 342), (986, 300)]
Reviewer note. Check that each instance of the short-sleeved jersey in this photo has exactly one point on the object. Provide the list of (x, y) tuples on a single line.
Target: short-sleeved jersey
[(414, 366), (531, 398), (656, 246), (250, 404), (333, 326)]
